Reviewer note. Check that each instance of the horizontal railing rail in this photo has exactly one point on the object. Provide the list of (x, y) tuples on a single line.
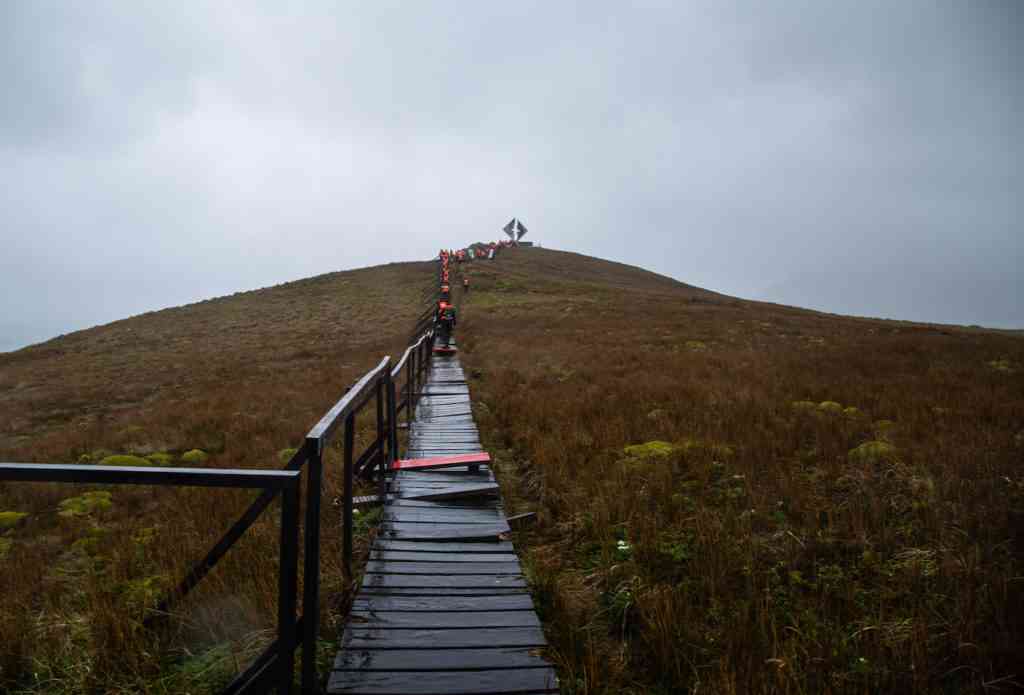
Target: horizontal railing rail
[(278, 659)]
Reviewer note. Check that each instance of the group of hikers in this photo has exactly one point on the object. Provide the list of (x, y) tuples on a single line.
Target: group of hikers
[(445, 315)]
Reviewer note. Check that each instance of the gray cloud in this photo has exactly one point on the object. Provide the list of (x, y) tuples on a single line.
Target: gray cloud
[(861, 158)]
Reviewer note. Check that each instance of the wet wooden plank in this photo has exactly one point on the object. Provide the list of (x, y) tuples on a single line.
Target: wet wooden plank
[(451, 475), (440, 591), (512, 602), (449, 558), (502, 547), (368, 636), (449, 492), (425, 486), (440, 462), (523, 681), (443, 532), (464, 620), (408, 581), (472, 503), (427, 659), (443, 568), (451, 516)]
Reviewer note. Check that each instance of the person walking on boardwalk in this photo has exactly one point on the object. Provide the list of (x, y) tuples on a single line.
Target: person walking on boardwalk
[(465, 285), (446, 323)]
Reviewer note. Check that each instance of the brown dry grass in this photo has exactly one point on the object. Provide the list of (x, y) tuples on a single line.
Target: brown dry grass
[(762, 551), (240, 377)]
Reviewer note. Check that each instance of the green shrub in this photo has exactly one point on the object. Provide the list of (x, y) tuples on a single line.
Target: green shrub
[(872, 452), (650, 449), (161, 458), (85, 504), (11, 519), (830, 407), (285, 455), (1002, 365), (125, 460), (91, 543), (194, 456)]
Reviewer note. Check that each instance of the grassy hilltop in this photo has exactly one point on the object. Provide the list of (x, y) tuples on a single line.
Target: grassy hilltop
[(738, 497), (732, 497)]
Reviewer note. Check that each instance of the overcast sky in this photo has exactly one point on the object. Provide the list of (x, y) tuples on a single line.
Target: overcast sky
[(856, 157)]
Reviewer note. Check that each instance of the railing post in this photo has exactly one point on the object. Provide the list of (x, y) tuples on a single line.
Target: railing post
[(311, 565), (409, 371), (288, 580), (392, 435), (381, 434), (346, 547)]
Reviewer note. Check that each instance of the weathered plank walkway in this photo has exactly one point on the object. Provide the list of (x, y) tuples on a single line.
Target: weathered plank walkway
[(444, 606)]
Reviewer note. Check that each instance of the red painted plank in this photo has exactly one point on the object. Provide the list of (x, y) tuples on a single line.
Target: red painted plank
[(442, 350), (441, 461)]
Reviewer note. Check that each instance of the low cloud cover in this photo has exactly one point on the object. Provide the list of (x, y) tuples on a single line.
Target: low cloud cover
[(860, 157)]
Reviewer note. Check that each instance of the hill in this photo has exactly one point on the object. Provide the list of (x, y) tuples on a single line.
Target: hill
[(732, 496), (236, 381), (738, 497)]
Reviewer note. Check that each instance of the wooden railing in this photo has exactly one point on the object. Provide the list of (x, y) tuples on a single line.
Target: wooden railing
[(274, 668)]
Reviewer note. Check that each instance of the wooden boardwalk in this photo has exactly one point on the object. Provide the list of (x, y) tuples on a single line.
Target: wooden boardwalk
[(444, 606)]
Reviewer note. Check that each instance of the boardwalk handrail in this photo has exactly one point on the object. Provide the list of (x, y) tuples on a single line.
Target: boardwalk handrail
[(275, 666)]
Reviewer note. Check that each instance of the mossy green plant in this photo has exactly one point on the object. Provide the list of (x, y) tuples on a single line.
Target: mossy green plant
[(161, 458), (872, 452), (194, 456), (696, 345), (11, 519), (1002, 365), (142, 593), (804, 406), (125, 460), (145, 536), (652, 449), (830, 407), (91, 543), (85, 504), (884, 429), (285, 455), (851, 412)]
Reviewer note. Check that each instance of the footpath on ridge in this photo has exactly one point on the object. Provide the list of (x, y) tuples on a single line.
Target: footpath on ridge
[(444, 606)]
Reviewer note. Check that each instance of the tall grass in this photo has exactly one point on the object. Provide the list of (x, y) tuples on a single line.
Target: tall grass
[(837, 504)]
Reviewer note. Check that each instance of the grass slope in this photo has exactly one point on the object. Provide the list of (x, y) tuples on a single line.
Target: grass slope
[(229, 382), (737, 497)]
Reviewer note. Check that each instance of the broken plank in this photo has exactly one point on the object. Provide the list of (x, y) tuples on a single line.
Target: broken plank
[(441, 461)]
